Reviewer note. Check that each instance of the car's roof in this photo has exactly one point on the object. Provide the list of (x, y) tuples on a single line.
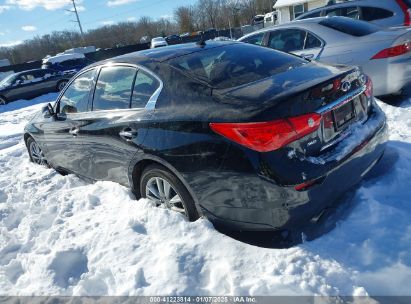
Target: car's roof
[(164, 53), (289, 24), (373, 3), (29, 71)]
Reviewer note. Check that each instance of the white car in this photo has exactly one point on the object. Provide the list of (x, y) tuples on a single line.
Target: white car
[(158, 42)]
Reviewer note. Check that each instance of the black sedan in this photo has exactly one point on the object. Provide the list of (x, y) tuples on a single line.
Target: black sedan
[(32, 83), (247, 136)]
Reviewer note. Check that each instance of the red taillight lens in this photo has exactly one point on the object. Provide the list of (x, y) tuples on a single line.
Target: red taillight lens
[(269, 136), (406, 11), (393, 51), (368, 88)]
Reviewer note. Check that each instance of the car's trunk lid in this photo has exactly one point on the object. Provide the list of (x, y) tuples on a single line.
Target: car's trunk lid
[(334, 92)]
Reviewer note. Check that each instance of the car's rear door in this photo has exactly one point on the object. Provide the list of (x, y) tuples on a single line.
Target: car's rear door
[(115, 131), (296, 41), (46, 81), (63, 135)]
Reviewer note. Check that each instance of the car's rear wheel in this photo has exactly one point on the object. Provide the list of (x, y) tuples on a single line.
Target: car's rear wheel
[(61, 85), (3, 101), (35, 152), (165, 190)]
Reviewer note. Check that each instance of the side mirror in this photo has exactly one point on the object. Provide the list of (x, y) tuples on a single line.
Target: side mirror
[(49, 110), (18, 82)]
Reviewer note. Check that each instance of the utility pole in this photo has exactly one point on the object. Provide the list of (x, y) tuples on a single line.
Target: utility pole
[(78, 18)]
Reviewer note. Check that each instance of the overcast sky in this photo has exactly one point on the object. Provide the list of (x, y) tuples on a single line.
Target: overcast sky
[(24, 19)]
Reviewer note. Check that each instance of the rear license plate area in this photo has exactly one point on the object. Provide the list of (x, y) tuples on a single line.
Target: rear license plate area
[(343, 115)]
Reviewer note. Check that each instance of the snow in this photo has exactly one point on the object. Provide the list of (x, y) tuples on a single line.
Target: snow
[(62, 57), (61, 235)]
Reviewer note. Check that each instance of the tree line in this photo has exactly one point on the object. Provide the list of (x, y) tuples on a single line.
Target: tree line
[(203, 15)]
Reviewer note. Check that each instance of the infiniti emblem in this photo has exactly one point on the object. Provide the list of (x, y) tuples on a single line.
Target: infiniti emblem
[(345, 86), (311, 122)]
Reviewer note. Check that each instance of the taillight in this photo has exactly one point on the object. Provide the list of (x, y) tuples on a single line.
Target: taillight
[(368, 88), (405, 9), (393, 51), (269, 136)]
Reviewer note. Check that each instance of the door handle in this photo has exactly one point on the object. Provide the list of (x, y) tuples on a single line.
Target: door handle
[(74, 131), (128, 134), (307, 56)]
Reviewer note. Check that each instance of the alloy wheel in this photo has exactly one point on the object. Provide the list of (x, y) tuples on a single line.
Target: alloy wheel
[(163, 194), (36, 154)]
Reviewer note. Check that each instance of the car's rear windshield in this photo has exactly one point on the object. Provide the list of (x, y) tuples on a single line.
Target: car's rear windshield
[(235, 64), (349, 26)]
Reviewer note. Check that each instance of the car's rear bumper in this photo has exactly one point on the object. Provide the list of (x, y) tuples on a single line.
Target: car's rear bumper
[(243, 201)]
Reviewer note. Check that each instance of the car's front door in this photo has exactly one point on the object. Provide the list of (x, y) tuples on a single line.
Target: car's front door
[(63, 134), (118, 125), (296, 41), (19, 89)]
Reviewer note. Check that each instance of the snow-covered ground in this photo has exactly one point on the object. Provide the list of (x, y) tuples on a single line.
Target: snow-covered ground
[(60, 235)]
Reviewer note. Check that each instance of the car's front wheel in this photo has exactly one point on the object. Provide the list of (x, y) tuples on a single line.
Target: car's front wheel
[(165, 190), (35, 152)]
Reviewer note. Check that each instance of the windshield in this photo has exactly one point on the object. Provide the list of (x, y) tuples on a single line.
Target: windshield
[(8, 80), (235, 64)]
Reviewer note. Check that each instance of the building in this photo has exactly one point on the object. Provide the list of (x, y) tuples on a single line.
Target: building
[(291, 9)]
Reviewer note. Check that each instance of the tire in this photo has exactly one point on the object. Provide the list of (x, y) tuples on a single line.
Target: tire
[(3, 101), (35, 153), (149, 178), (61, 85)]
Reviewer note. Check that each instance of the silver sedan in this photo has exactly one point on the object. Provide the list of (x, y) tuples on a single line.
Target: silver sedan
[(383, 54)]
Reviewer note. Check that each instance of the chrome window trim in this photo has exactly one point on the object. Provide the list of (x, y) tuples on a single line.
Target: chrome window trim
[(342, 100)]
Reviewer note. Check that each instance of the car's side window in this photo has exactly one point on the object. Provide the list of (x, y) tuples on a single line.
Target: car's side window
[(312, 42), (375, 13), (75, 98), (312, 15), (350, 12), (255, 39), (113, 88), (288, 40), (144, 88)]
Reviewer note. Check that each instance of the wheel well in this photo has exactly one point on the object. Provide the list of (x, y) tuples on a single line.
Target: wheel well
[(137, 171), (26, 137)]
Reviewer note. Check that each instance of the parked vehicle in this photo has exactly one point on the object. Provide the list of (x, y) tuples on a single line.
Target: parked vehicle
[(386, 13), (30, 84), (172, 38), (158, 42), (247, 136), (210, 33), (258, 21), (385, 55), (271, 19), (71, 62)]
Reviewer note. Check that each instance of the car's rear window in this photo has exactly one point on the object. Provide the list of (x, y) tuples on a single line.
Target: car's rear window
[(235, 64), (349, 26)]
